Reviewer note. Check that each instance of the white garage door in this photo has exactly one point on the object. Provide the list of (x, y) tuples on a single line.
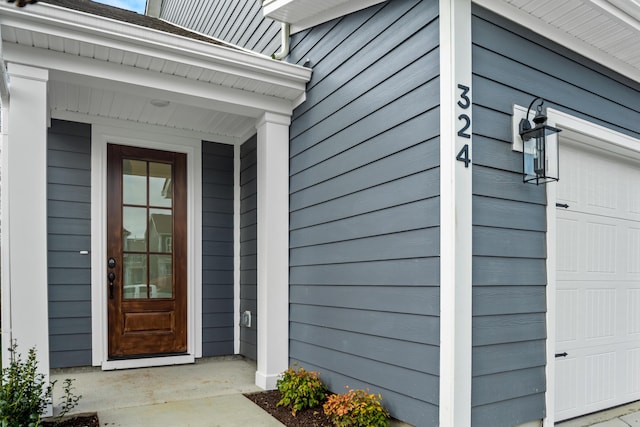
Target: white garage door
[(598, 282)]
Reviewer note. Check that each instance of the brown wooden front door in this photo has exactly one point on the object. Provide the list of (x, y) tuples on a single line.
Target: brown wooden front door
[(146, 281)]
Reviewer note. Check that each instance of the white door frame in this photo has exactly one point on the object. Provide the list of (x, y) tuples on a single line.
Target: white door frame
[(156, 138), (594, 135)]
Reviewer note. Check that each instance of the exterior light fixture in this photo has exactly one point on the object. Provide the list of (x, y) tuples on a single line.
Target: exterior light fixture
[(160, 103), (540, 147)]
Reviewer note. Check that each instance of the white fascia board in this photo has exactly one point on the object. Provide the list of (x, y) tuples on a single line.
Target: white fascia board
[(558, 36), (84, 71), (83, 27), (295, 12)]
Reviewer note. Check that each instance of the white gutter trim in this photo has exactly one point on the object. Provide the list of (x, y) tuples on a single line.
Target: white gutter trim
[(301, 16), (153, 8), (285, 33), (59, 21), (4, 80)]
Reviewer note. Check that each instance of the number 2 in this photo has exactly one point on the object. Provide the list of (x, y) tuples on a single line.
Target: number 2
[(467, 122)]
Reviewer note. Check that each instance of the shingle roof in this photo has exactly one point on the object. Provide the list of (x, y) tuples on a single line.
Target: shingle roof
[(128, 16)]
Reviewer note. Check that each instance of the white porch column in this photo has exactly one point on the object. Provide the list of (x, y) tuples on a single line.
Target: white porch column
[(273, 248), (24, 216)]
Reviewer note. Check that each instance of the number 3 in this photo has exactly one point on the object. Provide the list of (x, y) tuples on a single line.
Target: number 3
[(465, 98)]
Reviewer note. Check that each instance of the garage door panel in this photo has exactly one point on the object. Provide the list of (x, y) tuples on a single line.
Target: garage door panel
[(633, 251), (567, 378), (600, 384), (632, 370), (632, 321), (596, 182), (598, 283), (568, 234), (567, 316), (600, 313)]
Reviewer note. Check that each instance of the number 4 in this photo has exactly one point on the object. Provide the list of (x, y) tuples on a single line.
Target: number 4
[(463, 156)]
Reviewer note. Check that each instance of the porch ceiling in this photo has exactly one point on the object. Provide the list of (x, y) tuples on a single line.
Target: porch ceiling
[(608, 31), (105, 68)]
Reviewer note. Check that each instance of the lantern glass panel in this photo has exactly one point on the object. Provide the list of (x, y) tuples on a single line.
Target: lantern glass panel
[(540, 154)]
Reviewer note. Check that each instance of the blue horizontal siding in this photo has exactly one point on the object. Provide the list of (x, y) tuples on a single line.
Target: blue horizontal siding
[(249, 246), (68, 233), (239, 22), (512, 65), (217, 249), (364, 206)]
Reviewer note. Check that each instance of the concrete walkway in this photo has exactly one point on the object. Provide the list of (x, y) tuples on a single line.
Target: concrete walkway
[(622, 416), (207, 393)]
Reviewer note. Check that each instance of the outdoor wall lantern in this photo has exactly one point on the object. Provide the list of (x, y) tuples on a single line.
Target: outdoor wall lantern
[(540, 147)]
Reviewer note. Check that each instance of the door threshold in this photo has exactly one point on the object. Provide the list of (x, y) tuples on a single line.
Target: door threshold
[(148, 361), (146, 356)]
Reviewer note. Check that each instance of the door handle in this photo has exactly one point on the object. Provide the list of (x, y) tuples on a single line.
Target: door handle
[(565, 354), (111, 276)]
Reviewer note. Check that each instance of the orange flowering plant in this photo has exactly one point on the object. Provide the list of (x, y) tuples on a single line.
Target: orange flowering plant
[(356, 408)]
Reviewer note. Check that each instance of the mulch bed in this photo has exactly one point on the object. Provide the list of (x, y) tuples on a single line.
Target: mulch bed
[(81, 420), (268, 400)]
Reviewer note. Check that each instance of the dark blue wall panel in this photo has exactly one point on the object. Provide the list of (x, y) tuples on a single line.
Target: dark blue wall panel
[(248, 246), (364, 221), (69, 232), (217, 249)]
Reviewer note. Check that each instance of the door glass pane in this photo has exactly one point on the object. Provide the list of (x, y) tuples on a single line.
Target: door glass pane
[(134, 276), (134, 232), (160, 230), (161, 276), (147, 219), (134, 182), (160, 185)]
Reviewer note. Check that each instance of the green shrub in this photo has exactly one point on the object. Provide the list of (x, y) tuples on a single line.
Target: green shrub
[(24, 393), (300, 389), (69, 399), (357, 408)]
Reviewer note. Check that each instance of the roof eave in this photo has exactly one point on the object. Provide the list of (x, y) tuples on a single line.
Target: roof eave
[(556, 35), (51, 19)]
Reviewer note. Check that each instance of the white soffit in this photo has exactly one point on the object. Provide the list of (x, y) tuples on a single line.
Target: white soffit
[(606, 31), (102, 67), (302, 14)]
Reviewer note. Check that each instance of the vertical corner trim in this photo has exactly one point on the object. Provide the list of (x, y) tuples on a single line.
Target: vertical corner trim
[(456, 164)]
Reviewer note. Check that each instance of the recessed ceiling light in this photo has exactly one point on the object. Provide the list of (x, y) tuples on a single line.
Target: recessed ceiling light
[(159, 102)]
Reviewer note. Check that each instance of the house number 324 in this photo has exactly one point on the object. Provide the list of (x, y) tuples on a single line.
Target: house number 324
[(465, 104)]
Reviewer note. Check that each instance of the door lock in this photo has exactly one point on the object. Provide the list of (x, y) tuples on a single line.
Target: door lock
[(111, 276)]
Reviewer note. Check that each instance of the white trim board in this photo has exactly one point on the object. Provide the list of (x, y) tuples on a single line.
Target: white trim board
[(146, 137), (455, 214), (595, 136), (236, 247), (301, 16)]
